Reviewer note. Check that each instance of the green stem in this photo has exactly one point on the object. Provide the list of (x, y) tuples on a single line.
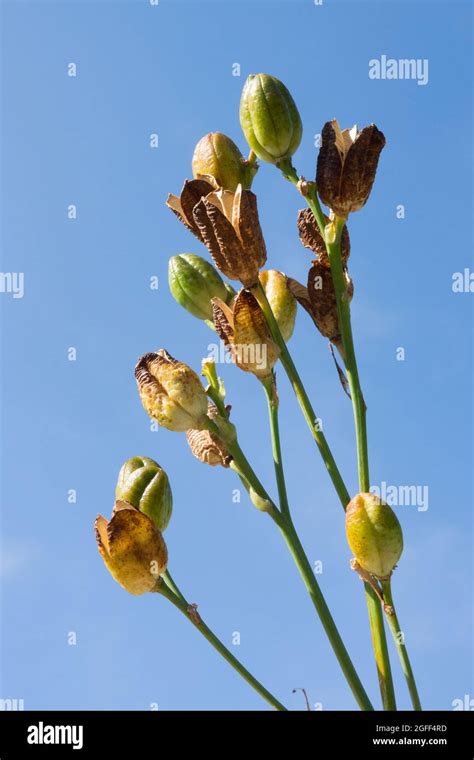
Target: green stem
[(381, 654), (271, 394), (379, 638), (190, 612), (252, 483), (290, 535), (400, 644), (172, 585), (359, 410), (345, 326), (293, 542), (302, 396)]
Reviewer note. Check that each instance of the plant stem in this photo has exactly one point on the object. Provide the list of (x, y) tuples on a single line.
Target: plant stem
[(289, 532), (251, 482), (344, 314), (379, 639), (293, 542), (172, 585), (400, 644), (359, 410), (302, 396), (271, 393), (379, 644), (190, 612)]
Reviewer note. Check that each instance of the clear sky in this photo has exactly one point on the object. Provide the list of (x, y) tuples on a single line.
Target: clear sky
[(85, 140)]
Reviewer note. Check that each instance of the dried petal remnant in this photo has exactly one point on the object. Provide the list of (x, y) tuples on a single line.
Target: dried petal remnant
[(207, 446), (182, 206)]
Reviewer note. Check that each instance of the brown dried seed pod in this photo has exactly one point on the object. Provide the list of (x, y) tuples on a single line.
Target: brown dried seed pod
[(244, 330), (230, 228), (323, 301), (208, 447), (311, 237), (347, 164)]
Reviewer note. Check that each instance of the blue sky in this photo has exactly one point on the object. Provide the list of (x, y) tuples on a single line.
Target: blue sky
[(84, 140)]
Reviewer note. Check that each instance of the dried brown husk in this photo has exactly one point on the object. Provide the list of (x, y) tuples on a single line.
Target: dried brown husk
[(207, 446), (347, 164), (243, 328), (230, 228), (311, 237), (322, 298), (182, 206)]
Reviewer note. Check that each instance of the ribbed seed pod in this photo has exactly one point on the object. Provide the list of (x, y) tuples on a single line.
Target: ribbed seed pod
[(269, 118), (193, 282), (145, 485)]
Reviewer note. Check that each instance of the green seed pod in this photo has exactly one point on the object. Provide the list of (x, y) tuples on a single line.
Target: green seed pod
[(269, 118), (218, 160), (374, 534), (194, 282), (145, 485)]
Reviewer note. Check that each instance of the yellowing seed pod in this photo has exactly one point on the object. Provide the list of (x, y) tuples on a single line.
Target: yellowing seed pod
[(281, 300), (170, 392), (218, 160), (374, 534), (132, 548)]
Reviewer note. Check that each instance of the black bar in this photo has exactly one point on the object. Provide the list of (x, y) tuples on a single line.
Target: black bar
[(378, 734)]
